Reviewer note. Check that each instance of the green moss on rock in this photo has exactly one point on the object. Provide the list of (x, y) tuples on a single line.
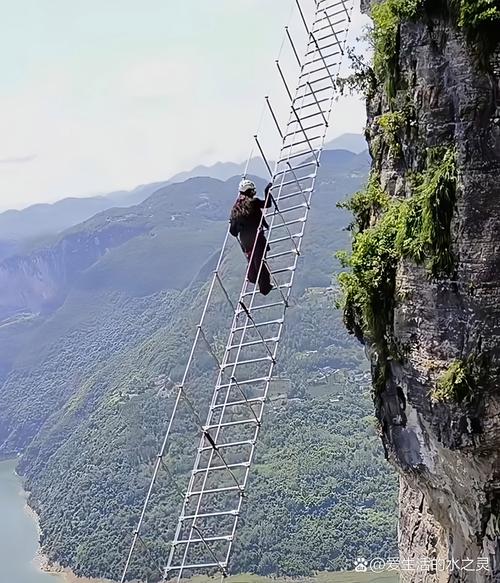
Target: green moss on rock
[(391, 124), (455, 384)]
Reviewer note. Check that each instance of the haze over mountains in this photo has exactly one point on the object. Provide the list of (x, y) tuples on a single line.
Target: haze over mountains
[(40, 220)]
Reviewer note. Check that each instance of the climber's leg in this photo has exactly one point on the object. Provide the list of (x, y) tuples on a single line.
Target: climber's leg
[(265, 285)]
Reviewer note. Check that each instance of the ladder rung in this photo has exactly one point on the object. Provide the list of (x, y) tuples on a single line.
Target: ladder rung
[(285, 269), (325, 57), (258, 324), (288, 223), (282, 254), (246, 382), (291, 170), (324, 47), (194, 566), (330, 7), (322, 38), (297, 193), (305, 153), (309, 75), (228, 445), (229, 424), (263, 307), (234, 512), (321, 69), (328, 36), (281, 239), (206, 539), (329, 26), (319, 113), (306, 95), (256, 342), (302, 178), (302, 106), (218, 468), (300, 142), (214, 491), (339, 3), (288, 209), (281, 286), (306, 129), (249, 361), (251, 401), (319, 80)]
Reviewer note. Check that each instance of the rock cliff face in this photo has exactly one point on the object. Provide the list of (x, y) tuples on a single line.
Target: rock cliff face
[(434, 133), (38, 282)]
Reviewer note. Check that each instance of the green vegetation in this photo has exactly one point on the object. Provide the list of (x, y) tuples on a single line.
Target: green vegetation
[(391, 124), (367, 204), (455, 384), (418, 228), (424, 232), (387, 17), (369, 285), (473, 14), (320, 495), (480, 19)]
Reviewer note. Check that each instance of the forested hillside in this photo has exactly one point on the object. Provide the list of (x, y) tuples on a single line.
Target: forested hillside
[(88, 379)]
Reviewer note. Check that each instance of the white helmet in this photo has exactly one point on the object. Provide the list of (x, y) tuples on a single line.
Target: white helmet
[(246, 185)]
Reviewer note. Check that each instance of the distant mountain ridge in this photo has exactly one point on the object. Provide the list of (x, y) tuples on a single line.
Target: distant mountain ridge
[(353, 142), (51, 218), (225, 170), (41, 220)]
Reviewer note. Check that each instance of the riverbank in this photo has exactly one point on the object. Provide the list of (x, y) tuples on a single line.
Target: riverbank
[(21, 559), (44, 565)]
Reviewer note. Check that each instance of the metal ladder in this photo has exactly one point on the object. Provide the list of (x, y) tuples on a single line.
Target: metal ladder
[(212, 504)]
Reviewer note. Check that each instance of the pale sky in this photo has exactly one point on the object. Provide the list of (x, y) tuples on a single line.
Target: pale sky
[(102, 95)]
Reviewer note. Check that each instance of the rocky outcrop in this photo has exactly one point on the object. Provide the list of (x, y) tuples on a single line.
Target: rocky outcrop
[(437, 363)]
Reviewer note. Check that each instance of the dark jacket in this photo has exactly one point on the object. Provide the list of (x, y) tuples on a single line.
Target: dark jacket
[(245, 219)]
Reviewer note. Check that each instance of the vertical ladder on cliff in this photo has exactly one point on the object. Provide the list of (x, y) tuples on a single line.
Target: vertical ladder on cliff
[(212, 504)]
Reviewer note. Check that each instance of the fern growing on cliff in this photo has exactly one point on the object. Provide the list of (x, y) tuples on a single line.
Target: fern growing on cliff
[(424, 234)]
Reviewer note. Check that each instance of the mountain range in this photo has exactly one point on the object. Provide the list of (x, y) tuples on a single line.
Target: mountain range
[(30, 226)]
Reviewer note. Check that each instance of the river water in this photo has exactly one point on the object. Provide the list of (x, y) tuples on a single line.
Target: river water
[(18, 534)]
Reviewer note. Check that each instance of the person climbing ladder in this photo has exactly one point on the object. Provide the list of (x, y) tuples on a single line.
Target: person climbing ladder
[(245, 220)]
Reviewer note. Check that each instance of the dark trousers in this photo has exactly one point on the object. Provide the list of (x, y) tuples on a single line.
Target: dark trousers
[(265, 277)]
